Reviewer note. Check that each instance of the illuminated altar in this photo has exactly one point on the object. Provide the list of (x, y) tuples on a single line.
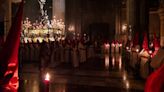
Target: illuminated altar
[(45, 28), (48, 30)]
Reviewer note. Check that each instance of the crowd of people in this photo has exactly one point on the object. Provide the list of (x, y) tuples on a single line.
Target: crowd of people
[(72, 51)]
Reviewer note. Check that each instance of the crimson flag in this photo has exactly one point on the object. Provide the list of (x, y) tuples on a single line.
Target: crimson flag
[(145, 43), (155, 82), (9, 56)]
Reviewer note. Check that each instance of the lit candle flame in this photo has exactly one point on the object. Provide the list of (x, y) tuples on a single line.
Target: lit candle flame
[(47, 77), (150, 52)]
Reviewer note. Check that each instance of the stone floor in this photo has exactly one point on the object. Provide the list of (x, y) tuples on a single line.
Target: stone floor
[(97, 74)]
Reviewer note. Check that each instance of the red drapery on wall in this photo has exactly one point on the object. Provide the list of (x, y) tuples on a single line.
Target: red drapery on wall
[(9, 56)]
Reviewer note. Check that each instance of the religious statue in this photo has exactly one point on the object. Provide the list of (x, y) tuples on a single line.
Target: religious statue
[(42, 3), (44, 15)]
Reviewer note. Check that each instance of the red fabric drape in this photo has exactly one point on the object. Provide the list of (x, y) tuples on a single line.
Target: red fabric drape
[(9, 56), (155, 82)]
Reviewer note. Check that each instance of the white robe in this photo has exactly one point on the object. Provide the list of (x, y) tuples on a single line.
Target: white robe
[(112, 49), (117, 48), (144, 66), (106, 49)]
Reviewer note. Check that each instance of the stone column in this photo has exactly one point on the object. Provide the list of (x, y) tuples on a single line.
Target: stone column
[(161, 14), (137, 17), (144, 20), (8, 19), (133, 15), (118, 21), (144, 16)]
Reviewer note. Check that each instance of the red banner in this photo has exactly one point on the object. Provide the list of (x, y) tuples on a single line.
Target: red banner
[(9, 56)]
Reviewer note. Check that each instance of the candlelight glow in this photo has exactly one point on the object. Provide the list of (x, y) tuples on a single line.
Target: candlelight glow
[(47, 77), (137, 50), (107, 47), (150, 52), (127, 48), (124, 27)]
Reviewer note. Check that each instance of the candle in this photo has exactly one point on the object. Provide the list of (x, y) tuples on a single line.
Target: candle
[(47, 82)]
